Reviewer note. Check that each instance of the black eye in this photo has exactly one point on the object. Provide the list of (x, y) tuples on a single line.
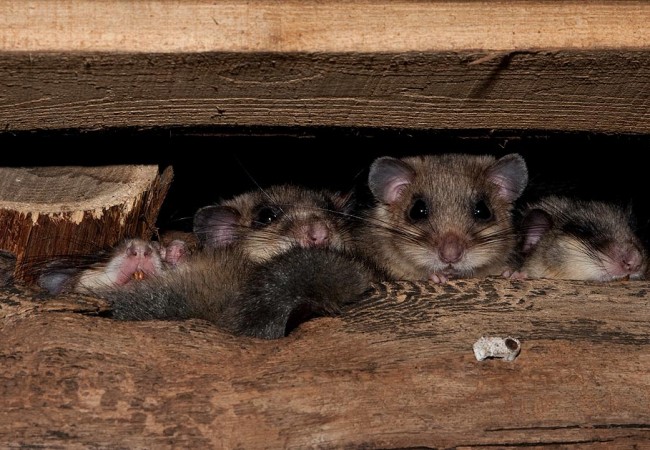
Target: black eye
[(585, 232), (482, 211), (266, 215), (589, 233), (419, 210)]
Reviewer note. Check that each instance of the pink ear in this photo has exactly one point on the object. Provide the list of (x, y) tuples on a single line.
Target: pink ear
[(216, 226), (388, 178), (535, 225), (510, 174), (343, 201)]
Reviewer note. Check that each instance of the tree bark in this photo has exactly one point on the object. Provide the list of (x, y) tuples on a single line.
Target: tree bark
[(397, 370)]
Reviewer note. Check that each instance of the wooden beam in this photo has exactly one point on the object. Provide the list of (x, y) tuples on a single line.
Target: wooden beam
[(321, 26), (601, 91), (396, 371), (530, 64)]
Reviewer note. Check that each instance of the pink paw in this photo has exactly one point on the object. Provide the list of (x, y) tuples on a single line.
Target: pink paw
[(438, 278), (516, 275), (175, 252)]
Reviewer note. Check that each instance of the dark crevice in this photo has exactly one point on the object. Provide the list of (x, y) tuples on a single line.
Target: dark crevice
[(215, 163)]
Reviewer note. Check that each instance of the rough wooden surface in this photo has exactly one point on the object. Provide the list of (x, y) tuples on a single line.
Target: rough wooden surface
[(72, 210), (605, 91), (321, 25), (528, 64), (396, 371)]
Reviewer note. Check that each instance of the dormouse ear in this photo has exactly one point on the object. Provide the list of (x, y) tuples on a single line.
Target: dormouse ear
[(58, 280), (388, 177), (534, 225), (510, 174), (216, 226), (342, 201)]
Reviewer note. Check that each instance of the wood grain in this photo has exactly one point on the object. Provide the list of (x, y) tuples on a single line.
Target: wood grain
[(525, 65), (395, 371), (50, 212), (153, 26), (600, 91)]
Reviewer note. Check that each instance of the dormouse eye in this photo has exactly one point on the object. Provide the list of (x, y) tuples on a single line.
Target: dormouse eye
[(482, 211), (419, 210), (581, 231), (266, 216), (588, 233)]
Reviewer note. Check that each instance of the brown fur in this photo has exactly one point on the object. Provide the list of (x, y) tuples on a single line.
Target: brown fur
[(580, 240), (450, 186)]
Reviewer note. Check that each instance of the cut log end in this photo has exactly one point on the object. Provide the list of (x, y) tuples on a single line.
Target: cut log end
[(51, 212)]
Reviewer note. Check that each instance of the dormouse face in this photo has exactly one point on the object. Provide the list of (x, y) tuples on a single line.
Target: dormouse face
[(447, 214), (270, 221), (581, 240)]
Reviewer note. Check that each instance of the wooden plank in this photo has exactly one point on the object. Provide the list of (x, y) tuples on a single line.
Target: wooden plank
[(602, 91), (530, 64), (321, 26), (396, 371)]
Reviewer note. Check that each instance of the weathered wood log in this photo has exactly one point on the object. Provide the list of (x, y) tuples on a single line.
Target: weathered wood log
[(59, 211), (395, 371)]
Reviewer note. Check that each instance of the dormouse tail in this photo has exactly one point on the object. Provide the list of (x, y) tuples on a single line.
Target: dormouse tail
[(296, 286)]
